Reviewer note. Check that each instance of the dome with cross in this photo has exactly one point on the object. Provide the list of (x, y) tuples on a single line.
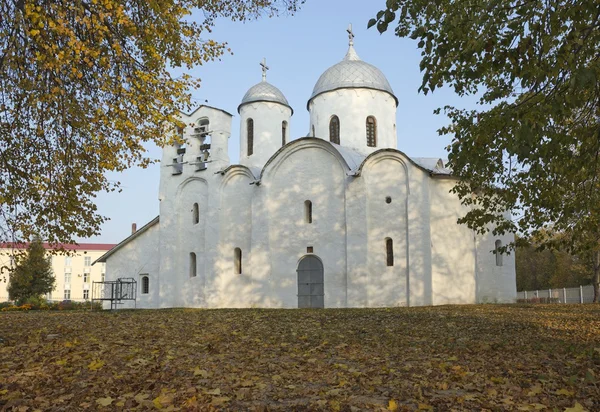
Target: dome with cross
[(264, 92)]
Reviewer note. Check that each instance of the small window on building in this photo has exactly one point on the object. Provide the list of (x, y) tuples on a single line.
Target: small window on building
[(145, 285), (237, 261), (313, 131), (389, 250), (86, 294), (371, 132), (309, 249), (196, 213), (284, 126), (388, 200), (102, 277), (67, 277), (308, 218), (86, 278), (67, 260), (250, 131), (67, 294), (193, 266), (334, 130), (87, 261), (203, 128), (498, 253)]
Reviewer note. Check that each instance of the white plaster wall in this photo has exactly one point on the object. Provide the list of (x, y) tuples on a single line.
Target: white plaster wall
[(385, 175), (495, 283), (138, 257), (268, 118), (191, 238), (452, 247), (231, 289), (309, 170), (353, 106)]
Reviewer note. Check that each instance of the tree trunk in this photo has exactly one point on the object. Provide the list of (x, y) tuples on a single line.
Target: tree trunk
[(596, 281)]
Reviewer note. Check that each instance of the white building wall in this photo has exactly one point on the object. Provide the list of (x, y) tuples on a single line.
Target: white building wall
[(452, 247), (268, 136), (137, 258), (385, 177), (353, 106), (313, 171), (495, 283)]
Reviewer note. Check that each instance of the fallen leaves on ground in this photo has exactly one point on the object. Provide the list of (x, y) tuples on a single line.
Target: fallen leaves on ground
[(488, 357)]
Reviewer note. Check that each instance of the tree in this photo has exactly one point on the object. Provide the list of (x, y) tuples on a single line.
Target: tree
[(32, 276), (84, 84), (533, 145)]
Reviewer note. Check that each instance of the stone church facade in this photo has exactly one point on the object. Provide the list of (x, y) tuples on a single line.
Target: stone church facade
[(339, 218)]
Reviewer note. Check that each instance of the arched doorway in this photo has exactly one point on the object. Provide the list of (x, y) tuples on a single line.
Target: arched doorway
[(311, 291)]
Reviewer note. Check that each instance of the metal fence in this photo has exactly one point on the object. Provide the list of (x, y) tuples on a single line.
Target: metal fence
[(582, 294)]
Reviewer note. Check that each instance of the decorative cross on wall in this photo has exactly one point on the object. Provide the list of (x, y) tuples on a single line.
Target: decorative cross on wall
[(264, 69)]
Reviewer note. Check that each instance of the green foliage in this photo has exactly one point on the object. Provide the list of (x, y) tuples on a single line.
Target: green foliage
[(84, 85), (32, 276), (533, 147)]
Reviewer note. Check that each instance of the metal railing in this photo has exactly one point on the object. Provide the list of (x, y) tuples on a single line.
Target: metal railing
[(582, 294)]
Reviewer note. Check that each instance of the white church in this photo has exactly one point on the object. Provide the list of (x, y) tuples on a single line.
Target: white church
[(339, 218)]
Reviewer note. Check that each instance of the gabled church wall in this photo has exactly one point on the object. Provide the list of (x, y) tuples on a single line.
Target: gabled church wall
[(138, 257), (386, 199), (309, 171), (452, 247), (227, 287)]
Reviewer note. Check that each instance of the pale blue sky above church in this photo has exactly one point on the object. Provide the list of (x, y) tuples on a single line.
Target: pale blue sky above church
[(298, 50)]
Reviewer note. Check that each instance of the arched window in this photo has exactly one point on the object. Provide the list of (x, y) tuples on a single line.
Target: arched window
[(203, 128), (284, 125), (145, 285), (498, 253), (196, 213), (389, 251), (308, 211), (250, 130), (371, 132), (313, 131), (334, 130), (193, 266), (237, 261)]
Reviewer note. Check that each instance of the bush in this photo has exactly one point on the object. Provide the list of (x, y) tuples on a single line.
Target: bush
[(42, 304)]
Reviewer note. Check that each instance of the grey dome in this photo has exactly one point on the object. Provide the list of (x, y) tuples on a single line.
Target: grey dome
[(352, 73), (264, 92)]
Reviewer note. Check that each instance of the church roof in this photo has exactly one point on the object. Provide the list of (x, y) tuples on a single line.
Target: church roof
[(264, 92), (352, 73)]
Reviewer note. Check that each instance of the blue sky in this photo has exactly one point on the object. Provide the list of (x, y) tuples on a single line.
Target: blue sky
[(298, 50)]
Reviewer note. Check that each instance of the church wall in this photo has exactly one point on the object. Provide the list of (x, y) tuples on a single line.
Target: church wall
[(228, 287), (310, 171), (452, 247), (268, 118), (188, 290), (495, 283), (419, 237), (386, 180), (356, 238), (353, 106), (138, 257)]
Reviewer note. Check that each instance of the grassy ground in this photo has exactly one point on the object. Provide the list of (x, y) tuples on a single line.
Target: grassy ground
[(490, 357)]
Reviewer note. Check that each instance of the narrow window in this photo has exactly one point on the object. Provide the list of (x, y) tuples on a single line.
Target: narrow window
[(313, 131), (250, 130), (193, 270), (389, 250), (334, 130), (67, 260), (203, 128), (145, 285), (308, 211), (498, 253), (237, 261), (86, 278), (310, 249), (86, 294), (371, 132), (196, 213), (102, 277), (87, 261), (283, 132), (67, 294)]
